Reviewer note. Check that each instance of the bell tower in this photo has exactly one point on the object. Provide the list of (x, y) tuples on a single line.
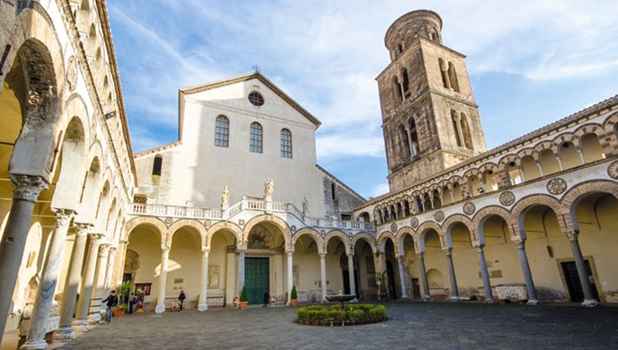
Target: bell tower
[(430, 119)]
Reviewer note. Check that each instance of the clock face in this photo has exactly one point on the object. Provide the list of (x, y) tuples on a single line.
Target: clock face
[(256, 98)]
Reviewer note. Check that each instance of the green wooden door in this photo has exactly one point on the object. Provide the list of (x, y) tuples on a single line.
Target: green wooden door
[(256, 279)]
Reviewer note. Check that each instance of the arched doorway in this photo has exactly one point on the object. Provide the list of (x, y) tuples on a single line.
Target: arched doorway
[(393, 284), (337, 276), (222, 265), (435, 262), (184, 266), (266, 268), (142, 268), (307, 269), (365, 271)]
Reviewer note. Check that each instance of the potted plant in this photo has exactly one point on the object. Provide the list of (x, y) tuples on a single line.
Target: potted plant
[(293, 296), (118, 311), (244, 300)]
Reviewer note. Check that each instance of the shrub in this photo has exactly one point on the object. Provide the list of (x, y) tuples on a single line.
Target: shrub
[(243, 295), (335, 315), (294, 293)]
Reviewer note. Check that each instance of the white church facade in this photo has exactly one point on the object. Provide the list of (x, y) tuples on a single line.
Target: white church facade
[(244, 179)]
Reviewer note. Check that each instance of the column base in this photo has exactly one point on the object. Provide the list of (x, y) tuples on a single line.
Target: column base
[(490, 301), (590, 303), (533, 302), (160, 308), (80, 326), (454, 299), (64, 333), (34, 345), (202, 307)]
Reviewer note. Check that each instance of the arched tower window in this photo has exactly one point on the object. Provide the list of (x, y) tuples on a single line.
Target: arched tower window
[(405, 81), (456, 128), (413, 137), (452, 74), (256, 138), (157, 165), (443, 73), (397, 89), (222, 131), (286, 143), (465, 129), (405, 142)]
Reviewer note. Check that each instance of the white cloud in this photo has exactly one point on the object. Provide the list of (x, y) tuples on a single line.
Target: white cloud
[(327, 54), (379, 189)]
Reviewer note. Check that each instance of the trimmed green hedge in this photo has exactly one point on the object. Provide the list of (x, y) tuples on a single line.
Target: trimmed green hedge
[(334, 315)]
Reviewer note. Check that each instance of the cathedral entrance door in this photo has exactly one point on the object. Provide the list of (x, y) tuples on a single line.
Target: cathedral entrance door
[(256, 279)]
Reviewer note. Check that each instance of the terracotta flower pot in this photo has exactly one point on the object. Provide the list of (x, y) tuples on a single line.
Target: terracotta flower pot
[(243, 305), (294, 302)]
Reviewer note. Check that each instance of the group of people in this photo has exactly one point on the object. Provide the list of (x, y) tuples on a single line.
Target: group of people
[(135, 302)]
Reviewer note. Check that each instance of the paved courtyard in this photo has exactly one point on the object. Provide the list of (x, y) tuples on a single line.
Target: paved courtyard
[(411, 326)]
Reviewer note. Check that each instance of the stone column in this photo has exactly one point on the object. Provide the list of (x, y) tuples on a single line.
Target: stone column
[(323, 275), (85, 293), (109, 268), (69, 294), (49, 278), (165, 255), (27, 189), (589, 299), (559, 162), (580, 155), (426, 295), (290, 274), (353, 290), (99, 284), (241, 270), (402, 276), (203, 302), (489, 297), (539, 166), (452, 278), (525, 268)]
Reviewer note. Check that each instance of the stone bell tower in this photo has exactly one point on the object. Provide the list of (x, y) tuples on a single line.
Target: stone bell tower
[(430, 120)]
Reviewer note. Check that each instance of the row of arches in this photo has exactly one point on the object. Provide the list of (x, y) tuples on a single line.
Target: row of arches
[(316, 263), (541, 249)]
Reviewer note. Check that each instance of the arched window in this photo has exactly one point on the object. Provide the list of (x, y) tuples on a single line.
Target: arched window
[(397, 89), (465, 129), (157, 165), (256, 138), (413, 137), (452, 74), (456, 128), (406, 82), (405, 142), (222, 131), (443, 73), (286, 143)]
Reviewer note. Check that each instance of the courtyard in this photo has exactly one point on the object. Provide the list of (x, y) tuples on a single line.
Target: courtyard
[(411, 326)]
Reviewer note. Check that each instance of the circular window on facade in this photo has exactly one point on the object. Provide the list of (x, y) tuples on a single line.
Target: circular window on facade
[(256, 98)]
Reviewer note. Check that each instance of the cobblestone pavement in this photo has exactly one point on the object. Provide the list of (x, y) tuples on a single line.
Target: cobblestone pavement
[(411, 326)]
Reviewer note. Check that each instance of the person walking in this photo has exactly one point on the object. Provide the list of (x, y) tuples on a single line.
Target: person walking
[(181, 298), (111, 301), (266, 298)]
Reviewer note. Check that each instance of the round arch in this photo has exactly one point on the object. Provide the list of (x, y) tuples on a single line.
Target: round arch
[(338, 234), (572, 198), (269, 219), (315, 235), (157, 224), (223, 226), (479, 219), (175, 227), (523, 205), (366, 237), (401, 235), (447, 228), (381, 241)]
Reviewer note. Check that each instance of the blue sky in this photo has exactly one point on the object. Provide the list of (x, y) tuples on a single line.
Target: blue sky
[(531, 62)]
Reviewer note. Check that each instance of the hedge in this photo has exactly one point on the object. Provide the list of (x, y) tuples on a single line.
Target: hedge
[(334, 315)]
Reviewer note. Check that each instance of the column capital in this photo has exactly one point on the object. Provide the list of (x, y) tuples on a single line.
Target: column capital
[(205, 251), (350, 254), (63, 216), (448, 251), (572, 235), (28, 187), (104, 249), (82, 229), (165, 248), (289, 252), (322, 255)]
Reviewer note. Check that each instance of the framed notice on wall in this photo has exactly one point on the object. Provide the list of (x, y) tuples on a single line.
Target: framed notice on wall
[(144, 287)]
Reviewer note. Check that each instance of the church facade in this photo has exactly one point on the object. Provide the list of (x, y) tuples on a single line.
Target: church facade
[(239, 200)]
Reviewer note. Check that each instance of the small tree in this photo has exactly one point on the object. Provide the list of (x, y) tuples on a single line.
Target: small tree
[(243, 295), (294, 293)]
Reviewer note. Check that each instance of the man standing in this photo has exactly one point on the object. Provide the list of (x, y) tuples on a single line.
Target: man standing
[(181, 298), (111, 301)]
